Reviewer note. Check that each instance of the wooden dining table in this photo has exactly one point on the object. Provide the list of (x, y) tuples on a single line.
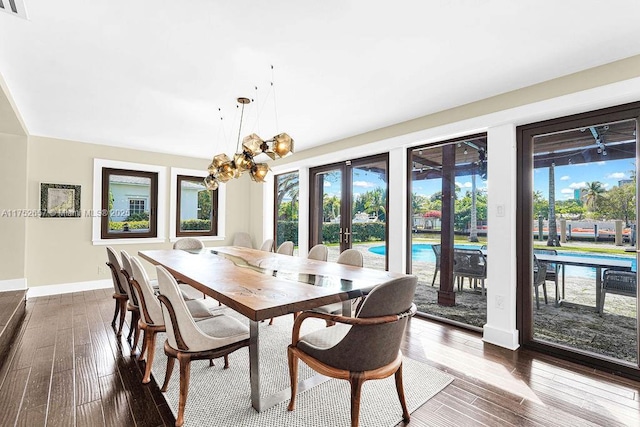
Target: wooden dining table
[(261, 285)]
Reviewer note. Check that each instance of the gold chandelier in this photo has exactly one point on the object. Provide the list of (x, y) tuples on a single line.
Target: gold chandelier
[(223, 168)]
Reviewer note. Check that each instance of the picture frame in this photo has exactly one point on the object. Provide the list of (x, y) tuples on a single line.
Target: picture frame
[(59, 200)]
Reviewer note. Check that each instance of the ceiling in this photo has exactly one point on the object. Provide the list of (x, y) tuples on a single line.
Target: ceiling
[(153, 74)]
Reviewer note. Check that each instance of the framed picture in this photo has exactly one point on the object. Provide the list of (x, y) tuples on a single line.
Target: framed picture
[(59, 200)]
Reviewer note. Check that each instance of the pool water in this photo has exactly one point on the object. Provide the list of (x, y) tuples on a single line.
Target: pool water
[(423, 252)]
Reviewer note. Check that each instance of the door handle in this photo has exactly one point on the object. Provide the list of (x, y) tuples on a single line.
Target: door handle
[(346, 235), (340, 234)]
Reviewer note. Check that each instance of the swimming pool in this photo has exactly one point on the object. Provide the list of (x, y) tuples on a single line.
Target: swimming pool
[(423, 252)]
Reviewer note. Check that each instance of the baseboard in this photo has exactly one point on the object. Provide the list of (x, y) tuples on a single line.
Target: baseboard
[(13, 285), (501, 337), (65, 288)]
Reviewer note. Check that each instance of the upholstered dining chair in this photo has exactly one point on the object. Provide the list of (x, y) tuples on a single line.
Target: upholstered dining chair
[(119, 292), (133, 304), (267, 245), (285, 248), (539, 279), (187, 243), (319, 252), (188, 340), (151, 321), (242, 239), (358, 348)]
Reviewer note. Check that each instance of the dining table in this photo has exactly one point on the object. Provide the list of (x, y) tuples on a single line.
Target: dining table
[(597, 262), (261, 285)]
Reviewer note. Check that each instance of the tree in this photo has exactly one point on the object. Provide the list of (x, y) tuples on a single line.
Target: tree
[(619, 203), (288, 186), (571, 207), (204, 204), (553, 230), (473, 229), (592, 194), (540, 205)]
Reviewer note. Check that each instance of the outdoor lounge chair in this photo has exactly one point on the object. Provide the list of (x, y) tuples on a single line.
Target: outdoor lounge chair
[(617, 282)]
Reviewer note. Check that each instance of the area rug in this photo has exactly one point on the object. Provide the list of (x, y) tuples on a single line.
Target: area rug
[(221, 397)]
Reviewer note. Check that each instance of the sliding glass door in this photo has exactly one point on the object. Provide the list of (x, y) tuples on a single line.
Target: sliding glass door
[(349, 208), (579, 278)]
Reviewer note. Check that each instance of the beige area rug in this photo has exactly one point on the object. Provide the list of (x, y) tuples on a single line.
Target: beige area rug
[(221, 397)]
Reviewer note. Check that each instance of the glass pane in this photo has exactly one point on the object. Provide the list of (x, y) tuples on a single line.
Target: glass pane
[(329, 187), (584, 287), (196, 206), (369, 212), (287, 208), (470, 230), (129, 198)]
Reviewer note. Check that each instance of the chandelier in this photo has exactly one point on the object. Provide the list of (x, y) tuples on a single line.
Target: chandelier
[(223, 168)]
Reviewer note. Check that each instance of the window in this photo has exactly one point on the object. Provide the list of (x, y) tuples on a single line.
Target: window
[(129, 199), (197, 208), (286, 208)]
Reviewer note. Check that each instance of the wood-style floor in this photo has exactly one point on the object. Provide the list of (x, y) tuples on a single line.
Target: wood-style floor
[(67, 368)]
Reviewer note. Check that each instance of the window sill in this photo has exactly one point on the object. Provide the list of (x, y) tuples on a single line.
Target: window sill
[(138, 241), (203, 238)]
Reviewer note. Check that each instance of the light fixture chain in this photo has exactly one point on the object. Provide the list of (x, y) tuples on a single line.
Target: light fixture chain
[(275, 108)]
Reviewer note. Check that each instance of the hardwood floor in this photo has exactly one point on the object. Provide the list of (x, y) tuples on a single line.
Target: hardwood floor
[(67, 368)]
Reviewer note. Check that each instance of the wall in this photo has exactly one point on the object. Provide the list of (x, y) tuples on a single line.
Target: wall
[(59, 250)]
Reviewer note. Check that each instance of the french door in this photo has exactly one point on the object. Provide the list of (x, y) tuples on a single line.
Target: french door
[(578, 293), (349, 208)]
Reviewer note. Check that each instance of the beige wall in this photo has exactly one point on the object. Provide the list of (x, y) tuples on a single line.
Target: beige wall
[(60, 250), (13, 201)]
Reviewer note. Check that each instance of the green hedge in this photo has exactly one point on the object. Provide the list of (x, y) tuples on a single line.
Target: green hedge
[(361, 232), (287, 230), (195, 224), (133, 225)]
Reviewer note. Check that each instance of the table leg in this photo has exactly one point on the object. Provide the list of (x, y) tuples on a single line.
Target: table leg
[(598, 286), (346, 308), (254, 364)]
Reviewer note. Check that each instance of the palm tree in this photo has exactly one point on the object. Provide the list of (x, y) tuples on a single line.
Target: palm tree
[(553, 231), (473, 231), (593, 194)]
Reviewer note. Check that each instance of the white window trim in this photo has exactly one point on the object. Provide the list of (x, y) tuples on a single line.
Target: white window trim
[(98, 165), (173, 205)]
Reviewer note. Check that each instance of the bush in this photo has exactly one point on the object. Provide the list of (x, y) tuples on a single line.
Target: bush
[(140, 216), (287, 230), (133, 225), (195, 224), (361, 232)]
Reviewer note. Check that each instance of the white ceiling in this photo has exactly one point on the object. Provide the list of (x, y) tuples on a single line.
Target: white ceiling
[(152, 74)]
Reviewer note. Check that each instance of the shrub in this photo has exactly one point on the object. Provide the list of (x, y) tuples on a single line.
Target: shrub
[(133, 225), (195, 224)]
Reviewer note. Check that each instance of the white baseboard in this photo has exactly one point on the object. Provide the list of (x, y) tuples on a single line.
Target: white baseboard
[(13, 285), (65, 288), (501, 337)]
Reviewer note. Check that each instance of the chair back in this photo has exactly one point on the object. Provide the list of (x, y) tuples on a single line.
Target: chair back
[(539, 272), (120, 285), (318, 252), (286, 248), (188, 243), (267, 246), (242, 239), (351, 257), (469, 263), (437, 250), (149, 304), (382, 342), (128, 276), (619, 282), (552, 267)]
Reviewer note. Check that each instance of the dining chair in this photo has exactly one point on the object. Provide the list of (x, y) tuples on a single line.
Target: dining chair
[(242, 239), (151, 321), (472, 264), (539, 279), (361, 348), (437, 250), (133, 304), (553, 269), (285, 248), (319, 252), (188, 340), (188, 243), (617, 282), (119, 293), (267, 245)]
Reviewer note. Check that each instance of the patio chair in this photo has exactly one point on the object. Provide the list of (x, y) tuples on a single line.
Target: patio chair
[(617, 282), (471, 264), (437, 250), (539, 279), (553, 269)]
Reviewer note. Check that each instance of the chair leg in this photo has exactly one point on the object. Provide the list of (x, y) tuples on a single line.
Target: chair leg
[(293, 375), (400, 390), (115, 314), (356, 379), (434, 276), (185, 374), (132, 326), (271, 321), (535, 291), (145, 338), (167, 376), (544, 292), (136, 332), (123, 311), (151, 352)]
